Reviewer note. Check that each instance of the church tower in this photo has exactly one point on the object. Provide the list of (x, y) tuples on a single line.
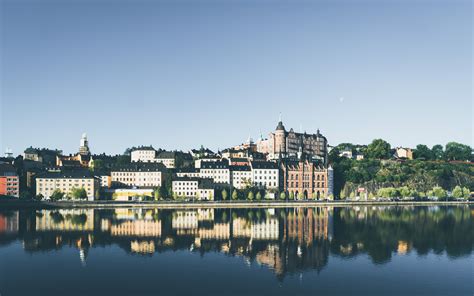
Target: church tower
[(84, 147)]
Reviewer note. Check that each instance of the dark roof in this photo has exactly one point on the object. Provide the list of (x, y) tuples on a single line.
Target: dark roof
[(220, 164), (186, 179), (73, 163), (206, 184), (31, 150), (67, 174), (232, 159), (142, 148), (263, 165), (240, 168), (7, 169), (140, 167), (187, 170), (166, 155), (280, 126)]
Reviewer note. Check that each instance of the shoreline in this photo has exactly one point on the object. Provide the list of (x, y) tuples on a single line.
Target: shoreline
[(217, 205)]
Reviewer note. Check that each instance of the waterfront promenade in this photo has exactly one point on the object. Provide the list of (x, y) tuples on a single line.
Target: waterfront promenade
[(218, 204)]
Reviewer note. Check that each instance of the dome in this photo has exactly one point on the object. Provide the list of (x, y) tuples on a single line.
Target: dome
[(280, 126)]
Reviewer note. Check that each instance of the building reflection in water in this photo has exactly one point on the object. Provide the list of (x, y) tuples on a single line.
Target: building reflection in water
[(287, 241)]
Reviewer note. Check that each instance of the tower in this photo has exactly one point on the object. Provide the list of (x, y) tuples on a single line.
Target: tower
[(280, 138), (84, 147)]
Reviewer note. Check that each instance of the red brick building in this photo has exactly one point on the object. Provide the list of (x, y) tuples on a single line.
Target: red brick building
[(304, 179)]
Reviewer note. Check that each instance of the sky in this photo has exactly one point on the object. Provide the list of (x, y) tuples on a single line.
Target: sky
[(181, 74)]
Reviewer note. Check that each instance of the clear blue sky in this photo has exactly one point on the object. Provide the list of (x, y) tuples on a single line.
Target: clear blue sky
[(178, 74)]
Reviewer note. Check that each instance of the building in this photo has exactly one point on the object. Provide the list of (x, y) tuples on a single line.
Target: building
[(198, 188), (283, 143), (66, 181), (265, 174), (403, 153), (305, 178), (45, 156), (81, 159), (143, 154), (218, 171), (9, 180), (138, 175), (241, 176), (188, 172), (171, 159)]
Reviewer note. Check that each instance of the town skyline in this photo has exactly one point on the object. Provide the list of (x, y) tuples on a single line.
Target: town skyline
[(178, 76)]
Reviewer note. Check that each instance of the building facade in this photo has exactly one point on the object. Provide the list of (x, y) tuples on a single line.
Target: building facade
[(48, 182), (198, 188), (265, 174), (138, 175), (305, 179), (283, 143), (9, 180), (218, 171)]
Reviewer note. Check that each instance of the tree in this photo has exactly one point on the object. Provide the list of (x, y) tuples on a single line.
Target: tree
[(78, 193), (250, 195), (330, 197), (282, 195), (466, 193), (235, 195), (259, 196), (458, 151), (157, 193), (300, 196), (439, 192), (224, 194), (378, 149), (437, 152), (39, 197), (56, 195), (422, 152), (457, 192), (292, 195)]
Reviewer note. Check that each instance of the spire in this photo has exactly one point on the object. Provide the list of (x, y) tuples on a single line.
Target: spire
[(279, 118)]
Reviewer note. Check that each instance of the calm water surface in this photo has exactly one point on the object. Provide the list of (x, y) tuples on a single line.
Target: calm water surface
[(294, 251)]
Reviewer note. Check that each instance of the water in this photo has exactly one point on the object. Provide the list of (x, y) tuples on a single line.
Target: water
[(293, 251)]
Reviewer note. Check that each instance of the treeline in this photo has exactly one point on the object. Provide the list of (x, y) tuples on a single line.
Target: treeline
[(446, 168)]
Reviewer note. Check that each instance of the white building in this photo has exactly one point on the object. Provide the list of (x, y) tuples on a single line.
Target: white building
[(218, 171), (241, 176), (200, 189), (47, 183), (138, 175), (265, 174), (143, 154)]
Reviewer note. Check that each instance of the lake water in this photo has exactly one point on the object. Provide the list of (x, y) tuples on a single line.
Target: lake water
[(426, 250)]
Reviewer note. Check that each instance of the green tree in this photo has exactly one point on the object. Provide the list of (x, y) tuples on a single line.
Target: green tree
[(292, 195), (457, 192), (282, 195), (466, 193), (235, 195), (39, 197), (458, 151), (224, 194), (439, 192), (437, 152), (422, 152), (78, 193), (157, 193), (56, 195), (250, 195), (378, 149), (258, 196)]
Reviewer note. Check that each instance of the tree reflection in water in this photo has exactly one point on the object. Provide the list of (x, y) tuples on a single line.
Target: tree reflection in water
[(287, 241)]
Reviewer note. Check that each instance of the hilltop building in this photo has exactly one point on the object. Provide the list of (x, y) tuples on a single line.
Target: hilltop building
[(283, 143), (81, 159)]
